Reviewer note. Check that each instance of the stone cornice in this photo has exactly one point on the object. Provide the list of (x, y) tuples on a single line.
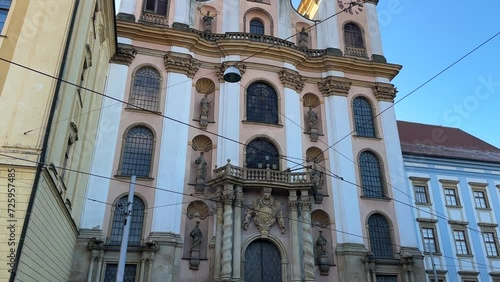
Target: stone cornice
[(220, 68), (124, 55), (225, 47), (385, 93), (181, 63), (334, 86), (291, 79)]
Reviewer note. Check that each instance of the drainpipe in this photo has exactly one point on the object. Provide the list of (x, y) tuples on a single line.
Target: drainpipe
[(43, 154)]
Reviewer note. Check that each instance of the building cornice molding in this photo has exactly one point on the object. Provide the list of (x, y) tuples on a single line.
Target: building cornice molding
[(125, 55), (334, 86), (385, 93), (181, 63), (291, 79)]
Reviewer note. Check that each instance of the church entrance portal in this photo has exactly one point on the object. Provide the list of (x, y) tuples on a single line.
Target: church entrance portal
[(262, 262)]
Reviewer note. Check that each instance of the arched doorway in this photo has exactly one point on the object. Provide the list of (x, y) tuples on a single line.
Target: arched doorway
[(262, 262)]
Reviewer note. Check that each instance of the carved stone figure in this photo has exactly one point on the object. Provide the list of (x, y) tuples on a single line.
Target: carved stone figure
[(265, 212), (303, 37), (205, 105), (313, 118), (196, 235), (207, 20), (316, 182), (321, 244), (201, 164)]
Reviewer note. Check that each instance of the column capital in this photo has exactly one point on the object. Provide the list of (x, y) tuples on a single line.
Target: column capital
[(238, 196), (305, 206), (221, 68), (293, 205), (385, 93), (334, 86), (124, 55), (291, 79), (181, 63)]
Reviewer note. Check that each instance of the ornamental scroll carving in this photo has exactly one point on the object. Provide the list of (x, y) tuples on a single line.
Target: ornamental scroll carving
[(334, 86), (383, 93), (220, 68), (291, 79), (181, 63), (265, 212), (124, 55)]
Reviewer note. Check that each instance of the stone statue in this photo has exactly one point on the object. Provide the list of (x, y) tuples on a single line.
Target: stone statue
[(321, 245), (303, 37), (196, 235), (265, 212), (205, 105), (202, 167), (207, 20), (313, 118)]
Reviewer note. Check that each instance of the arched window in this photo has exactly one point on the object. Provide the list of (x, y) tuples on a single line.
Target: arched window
[(137, 152), (156, 6), (262, 103), (371, 175), (256, 27), (380, 236), (353, 36), (260, 153), (146, 89), (136, 223), (363, 117)]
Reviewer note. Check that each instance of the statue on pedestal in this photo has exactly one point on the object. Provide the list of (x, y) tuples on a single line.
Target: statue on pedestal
[(196, 235), (303, 37)]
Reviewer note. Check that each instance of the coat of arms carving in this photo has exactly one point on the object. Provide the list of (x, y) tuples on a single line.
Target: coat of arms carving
[(265, 211)]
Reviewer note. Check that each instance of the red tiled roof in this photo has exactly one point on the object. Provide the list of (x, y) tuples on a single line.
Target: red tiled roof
[(447, 142)]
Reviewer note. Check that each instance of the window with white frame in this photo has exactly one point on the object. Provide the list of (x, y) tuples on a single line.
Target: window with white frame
[(421, 194), (429, 238), (480, 199), (490, 243), (461, 243), (451, 197)]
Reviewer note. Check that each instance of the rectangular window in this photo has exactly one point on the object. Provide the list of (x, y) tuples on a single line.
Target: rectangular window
[(451, 197), (480, 199), (460, 242), (421, 194), (4, 10), (490, 243), (429, 238), (112, 269), (387, 278)]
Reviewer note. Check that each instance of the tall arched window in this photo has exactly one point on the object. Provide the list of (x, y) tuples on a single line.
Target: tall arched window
[(156, 6), (146, 89), (262, 103), (380, 236), (137, 152), (363, 117), (260, 153), (256, 27), (371, 175), (353, 36), (136, 223)]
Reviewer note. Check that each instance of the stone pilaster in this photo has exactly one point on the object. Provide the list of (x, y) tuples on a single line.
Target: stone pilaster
[(334, 86), (227, 235), (293, 205), (181, 63), (218, 239), (385, 93), (291, 79), (124, 55), (308, 258), (237, 233)]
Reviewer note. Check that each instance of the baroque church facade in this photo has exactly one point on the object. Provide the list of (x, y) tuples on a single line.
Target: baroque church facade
[(286, 175)]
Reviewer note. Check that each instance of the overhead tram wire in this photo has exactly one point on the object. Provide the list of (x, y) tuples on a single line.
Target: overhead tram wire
[(217, 199)]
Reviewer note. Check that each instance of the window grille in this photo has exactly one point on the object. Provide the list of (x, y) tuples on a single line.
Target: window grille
[(260, 153), (146, 89), (371, 175), (353, 36), (112, 270), (363, 117), (137, 152), (256, 27), (380, 237), (136, 224), (262, 103)]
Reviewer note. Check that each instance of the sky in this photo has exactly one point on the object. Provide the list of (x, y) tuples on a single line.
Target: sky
[(428, 36)]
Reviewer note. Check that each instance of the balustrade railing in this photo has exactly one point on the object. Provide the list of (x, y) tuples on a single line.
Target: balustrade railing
[(356, 52), (256, 174), (153, 18)]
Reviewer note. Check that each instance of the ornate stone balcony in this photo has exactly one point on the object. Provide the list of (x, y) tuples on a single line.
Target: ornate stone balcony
[(356, 52), (261, 177), (153, 18)]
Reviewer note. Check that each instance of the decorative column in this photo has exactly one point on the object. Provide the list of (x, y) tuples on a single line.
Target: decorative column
[(229, 116), (374, 30), (328, 32), (127, 10), (182, 13), (294, 235), (237, 233), (293, 84), (181, 68), (231, 22), (218, 237), (107, 134), (227, 236), (93, 257), (99, 267), (305, 209)]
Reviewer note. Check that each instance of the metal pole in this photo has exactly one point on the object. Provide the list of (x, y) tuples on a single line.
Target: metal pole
[(126, 229), (432, 261)]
